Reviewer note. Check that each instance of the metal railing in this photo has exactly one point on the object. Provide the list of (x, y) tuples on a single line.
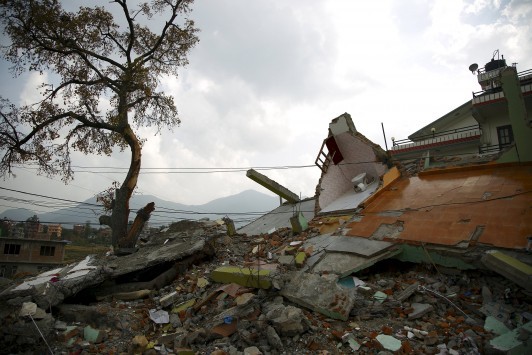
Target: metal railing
[(453, 136), (435, 135), (524, 76)]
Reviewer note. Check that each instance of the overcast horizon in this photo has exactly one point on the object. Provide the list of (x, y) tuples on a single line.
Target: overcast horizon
[(267, 77)]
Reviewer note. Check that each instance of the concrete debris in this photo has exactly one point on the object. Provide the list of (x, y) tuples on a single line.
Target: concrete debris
[(389, 342), (159, 316), (190, 303), (509, 267), (287, 320), (419, 310), (319, 294)]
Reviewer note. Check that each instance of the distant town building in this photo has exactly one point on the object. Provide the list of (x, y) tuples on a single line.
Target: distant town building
[(30, 247)]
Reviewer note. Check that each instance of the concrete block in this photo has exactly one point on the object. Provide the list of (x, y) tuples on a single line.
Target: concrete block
[(388, 342), (420, 309), (319, 294), (300, 258), (380, 296), (92, 335), (509, 267), (247, 277), (299, 223)]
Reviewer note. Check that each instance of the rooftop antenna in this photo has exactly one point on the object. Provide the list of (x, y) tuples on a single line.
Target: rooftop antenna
[(473, 68), (496, 52)]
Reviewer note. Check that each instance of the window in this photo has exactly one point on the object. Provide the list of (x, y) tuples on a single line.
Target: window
[(12, 249), (505, 135), (47, 251), (8, 271)]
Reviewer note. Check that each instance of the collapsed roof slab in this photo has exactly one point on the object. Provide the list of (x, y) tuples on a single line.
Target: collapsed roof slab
[(272, 186), (279, 218)]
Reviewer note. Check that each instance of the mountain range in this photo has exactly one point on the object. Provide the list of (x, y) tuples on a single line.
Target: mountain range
[(242, 208)]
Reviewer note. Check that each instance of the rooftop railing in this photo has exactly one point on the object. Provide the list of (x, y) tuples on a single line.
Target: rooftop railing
[(451, 136), (525, 77)]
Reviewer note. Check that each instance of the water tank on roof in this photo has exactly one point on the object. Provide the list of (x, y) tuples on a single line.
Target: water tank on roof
[(495, 64)]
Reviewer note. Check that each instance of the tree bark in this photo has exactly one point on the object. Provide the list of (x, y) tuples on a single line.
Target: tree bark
[(120, 213)]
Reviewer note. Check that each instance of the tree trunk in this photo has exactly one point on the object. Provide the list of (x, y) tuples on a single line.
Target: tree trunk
[(120, 213)]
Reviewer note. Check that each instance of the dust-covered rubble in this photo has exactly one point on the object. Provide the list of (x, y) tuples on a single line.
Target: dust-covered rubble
[(390, 307)]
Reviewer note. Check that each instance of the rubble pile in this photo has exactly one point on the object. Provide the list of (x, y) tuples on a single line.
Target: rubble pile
[(256, 295)]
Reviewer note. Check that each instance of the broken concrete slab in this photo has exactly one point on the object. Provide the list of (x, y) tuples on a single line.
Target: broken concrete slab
[(420, 309), (359, 246), (492, 324), (177, 248), (279, 218), (509, 267), (319, 294), (52, 287), (407, 292), (248, 277), (344, 264), (512, 343)]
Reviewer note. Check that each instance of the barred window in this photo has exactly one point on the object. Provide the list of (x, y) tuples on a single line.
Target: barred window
[(12, 249), (47, 251)]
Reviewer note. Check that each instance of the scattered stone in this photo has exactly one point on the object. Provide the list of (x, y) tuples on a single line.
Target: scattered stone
[(420, 309), (273, 338), (349, 338), (159, 316), (202, 282), (389, 342), (287, 321), (319, 294), (380, 297), (140, 341), (300, 258), (28, 309), (93, 335), (252, 350), (70, 332), (244, 298)]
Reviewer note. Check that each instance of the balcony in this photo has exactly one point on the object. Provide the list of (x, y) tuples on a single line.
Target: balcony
[(496, 94), (445, 138)]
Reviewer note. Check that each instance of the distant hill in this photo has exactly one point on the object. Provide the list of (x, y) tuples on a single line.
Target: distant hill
[(236, 207)]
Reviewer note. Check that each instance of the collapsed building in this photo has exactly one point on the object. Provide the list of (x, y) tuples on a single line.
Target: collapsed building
[(424, 248)]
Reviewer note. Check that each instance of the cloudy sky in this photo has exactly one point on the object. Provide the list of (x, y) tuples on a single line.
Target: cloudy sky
[(269, 75)]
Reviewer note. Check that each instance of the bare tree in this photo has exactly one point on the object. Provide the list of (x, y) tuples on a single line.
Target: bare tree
[(107, 72)]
